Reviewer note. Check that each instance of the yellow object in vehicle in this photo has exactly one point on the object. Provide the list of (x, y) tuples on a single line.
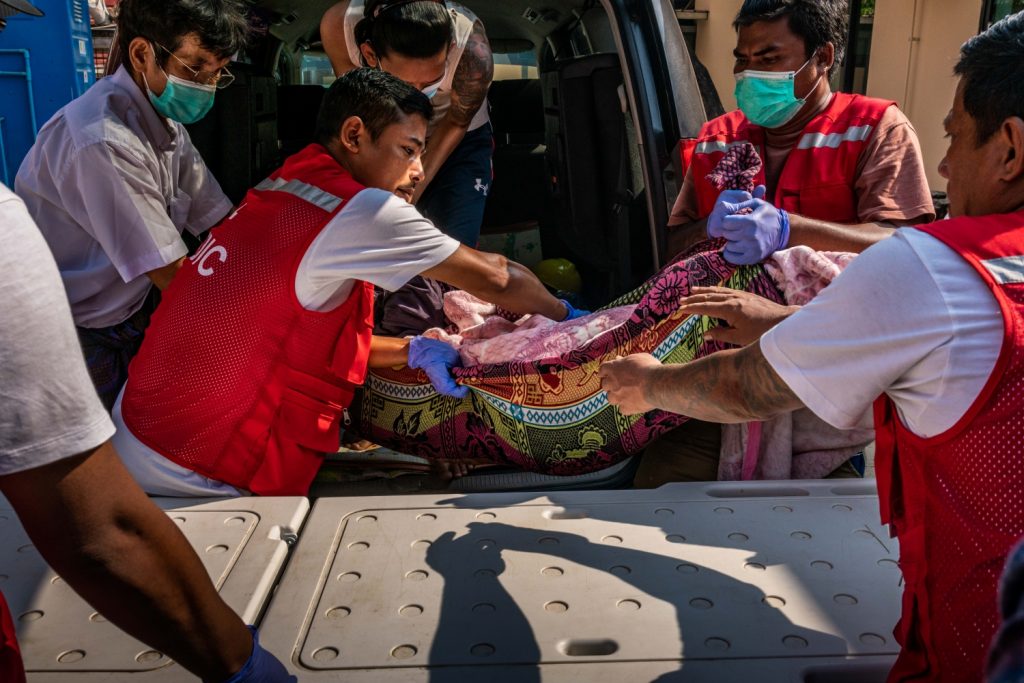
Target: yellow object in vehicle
[(560, 274)]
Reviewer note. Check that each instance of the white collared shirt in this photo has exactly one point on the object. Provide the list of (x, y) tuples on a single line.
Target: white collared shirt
[(112, 185)]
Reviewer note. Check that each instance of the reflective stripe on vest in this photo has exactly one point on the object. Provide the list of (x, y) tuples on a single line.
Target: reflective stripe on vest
[(833, 140), (1007, 270), (310, 193), (713, 146)]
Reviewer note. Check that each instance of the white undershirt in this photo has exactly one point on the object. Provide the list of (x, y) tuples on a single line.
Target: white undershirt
[(909, 318), (377, 238)]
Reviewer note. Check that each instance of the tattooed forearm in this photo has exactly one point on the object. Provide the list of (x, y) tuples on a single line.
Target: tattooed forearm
[(765, 394), (472, 78), (727, 387)]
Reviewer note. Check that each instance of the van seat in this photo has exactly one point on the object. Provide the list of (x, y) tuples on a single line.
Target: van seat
[(519, 189), (298, 106)]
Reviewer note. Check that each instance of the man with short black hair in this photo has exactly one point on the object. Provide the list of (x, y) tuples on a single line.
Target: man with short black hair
[(254, 354), (840, 172), (941, 358), (113, 178)]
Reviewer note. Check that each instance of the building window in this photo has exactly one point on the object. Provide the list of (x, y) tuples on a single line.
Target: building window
[(994, 10)]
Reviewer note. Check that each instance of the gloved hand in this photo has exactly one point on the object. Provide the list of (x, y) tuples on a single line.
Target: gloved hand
[(262, 667), (725, 205), (573, 313), (756, 235), (436, 358)]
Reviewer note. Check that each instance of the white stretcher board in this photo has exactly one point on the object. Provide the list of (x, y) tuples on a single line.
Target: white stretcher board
[(242, 542), (768, 581)]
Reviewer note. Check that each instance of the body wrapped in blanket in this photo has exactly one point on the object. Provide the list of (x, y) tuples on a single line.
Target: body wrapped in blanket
[(536, 401)]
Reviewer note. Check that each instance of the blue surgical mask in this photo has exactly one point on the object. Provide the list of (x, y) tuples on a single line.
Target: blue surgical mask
[(768, 98), (182, 101), (431, 90)]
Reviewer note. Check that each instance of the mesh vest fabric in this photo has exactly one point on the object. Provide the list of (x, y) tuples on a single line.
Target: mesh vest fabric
[(235, 380)]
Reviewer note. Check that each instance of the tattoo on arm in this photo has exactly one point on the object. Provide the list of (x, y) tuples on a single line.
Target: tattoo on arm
[(472, 78), (765, 394), (726, 387)]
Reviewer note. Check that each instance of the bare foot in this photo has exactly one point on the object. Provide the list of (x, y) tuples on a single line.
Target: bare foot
[(454, 468), (360, 445)]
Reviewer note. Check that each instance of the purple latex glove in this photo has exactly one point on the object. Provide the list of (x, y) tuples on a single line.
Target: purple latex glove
[(262, 667), (573, 313), (436, 358), (725, 205), (755, 230)]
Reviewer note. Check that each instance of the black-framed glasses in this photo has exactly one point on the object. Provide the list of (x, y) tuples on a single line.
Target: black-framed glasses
[(220, 79), (387, 6)]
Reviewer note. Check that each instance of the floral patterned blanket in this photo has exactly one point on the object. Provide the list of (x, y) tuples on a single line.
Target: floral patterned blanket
[(549, 415)]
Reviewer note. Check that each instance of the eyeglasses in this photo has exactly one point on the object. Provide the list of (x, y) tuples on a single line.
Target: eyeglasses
[(386, 6), (220, 79)]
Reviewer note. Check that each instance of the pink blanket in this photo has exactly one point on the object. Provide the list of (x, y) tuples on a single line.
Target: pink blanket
[(483, 336), (800, 272)]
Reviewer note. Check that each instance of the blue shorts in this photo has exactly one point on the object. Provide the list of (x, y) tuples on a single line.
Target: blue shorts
[(455, 199)]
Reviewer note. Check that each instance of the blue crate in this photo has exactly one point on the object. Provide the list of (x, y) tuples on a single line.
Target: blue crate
[(45, 62)]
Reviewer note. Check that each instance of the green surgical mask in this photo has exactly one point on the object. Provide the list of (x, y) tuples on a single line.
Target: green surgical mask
[(181, 100), (768, 98)]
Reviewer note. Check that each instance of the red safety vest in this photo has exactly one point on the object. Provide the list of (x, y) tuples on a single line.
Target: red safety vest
[(235, 379), (11, 668), (818, 178), (956, 500)]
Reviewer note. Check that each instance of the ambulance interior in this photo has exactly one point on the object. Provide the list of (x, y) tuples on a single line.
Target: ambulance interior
[(570, 174)]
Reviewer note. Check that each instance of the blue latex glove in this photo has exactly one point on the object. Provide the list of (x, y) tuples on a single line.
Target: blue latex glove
[(262, 667), (573, 313), (725, 205), (755, 236), (437, 359)]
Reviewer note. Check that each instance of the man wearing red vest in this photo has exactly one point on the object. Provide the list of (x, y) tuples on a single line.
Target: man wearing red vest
[(839, 173), (929, 326), (257, 347)]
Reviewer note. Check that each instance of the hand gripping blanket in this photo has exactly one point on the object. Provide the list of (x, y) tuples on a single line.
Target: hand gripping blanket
[(549, 415)]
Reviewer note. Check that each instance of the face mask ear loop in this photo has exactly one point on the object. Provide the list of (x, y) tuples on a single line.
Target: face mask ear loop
[(816, 82), (146, 80)]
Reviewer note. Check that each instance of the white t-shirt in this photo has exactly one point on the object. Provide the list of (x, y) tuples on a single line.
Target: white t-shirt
[(909, 318), (112, 185), (377, 238), (48, 405)]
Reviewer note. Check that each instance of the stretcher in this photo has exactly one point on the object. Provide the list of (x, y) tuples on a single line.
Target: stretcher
[(768, 581)]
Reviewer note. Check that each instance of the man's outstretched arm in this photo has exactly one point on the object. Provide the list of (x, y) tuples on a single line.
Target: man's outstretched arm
[(497, 280), (727, 387), (93, 524)]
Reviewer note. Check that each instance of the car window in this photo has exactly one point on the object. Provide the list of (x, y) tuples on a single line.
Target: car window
[(315, 69), (515, 66)]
